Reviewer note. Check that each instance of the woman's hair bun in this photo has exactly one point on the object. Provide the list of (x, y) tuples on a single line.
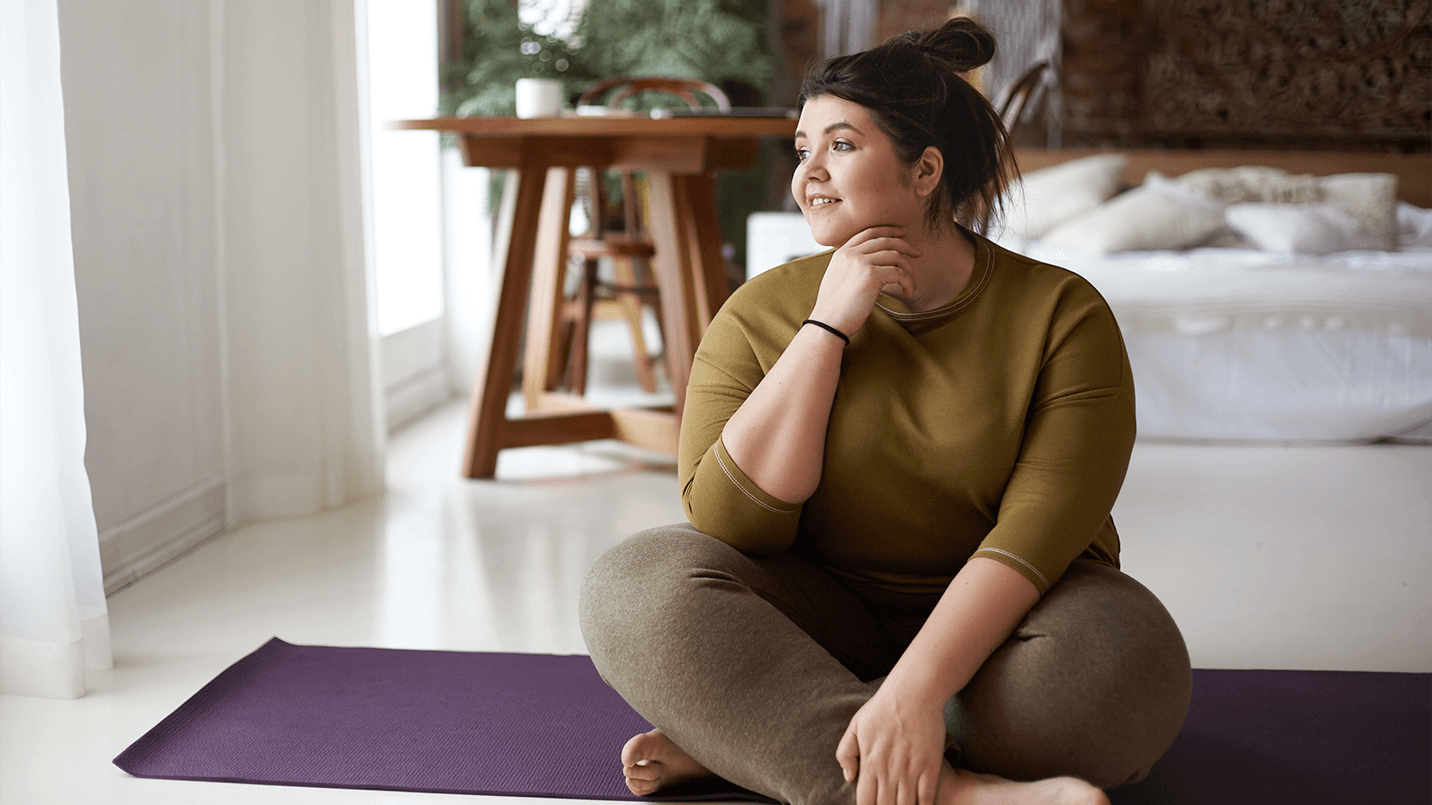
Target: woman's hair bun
[(960, 43)]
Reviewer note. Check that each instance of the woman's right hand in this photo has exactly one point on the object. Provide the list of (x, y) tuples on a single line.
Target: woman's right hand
[(872, 260)]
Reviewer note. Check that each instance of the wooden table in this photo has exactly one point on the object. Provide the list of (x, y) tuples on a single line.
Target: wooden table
[(679, 157)]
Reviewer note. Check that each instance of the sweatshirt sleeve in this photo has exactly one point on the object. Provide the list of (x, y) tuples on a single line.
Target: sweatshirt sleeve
[(1078, 436), (718, 498)]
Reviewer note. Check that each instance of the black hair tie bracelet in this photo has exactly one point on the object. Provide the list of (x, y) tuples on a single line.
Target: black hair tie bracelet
[(822, 325)]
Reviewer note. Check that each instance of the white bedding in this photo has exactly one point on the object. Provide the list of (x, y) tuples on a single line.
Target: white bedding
[(1207, 290), (1243, 345)]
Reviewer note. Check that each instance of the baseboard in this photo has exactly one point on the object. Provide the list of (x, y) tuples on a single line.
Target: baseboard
[(416, 396), (161, 534)]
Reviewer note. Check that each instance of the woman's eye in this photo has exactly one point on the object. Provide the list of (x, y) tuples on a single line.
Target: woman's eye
[(841, 145), (802, 153)]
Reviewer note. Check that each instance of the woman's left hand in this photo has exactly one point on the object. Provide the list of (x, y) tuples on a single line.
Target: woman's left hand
[(893, 750)]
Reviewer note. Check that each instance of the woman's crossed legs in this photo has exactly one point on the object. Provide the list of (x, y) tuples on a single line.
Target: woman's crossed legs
[(751, 668)]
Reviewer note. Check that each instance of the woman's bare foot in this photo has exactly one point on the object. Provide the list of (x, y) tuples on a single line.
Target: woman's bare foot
[(967, 788), (651, 761)]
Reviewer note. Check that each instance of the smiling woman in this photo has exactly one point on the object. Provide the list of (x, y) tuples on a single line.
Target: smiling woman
[(900, 580), (858, 195), (956, 119), (847, 163)]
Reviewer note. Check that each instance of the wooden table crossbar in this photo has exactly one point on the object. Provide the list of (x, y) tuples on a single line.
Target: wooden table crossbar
[(679, 157)]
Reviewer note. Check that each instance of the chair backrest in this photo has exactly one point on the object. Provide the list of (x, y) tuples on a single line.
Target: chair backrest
[(1014, 98), (1010, 103), (687, 89), (620, 89)]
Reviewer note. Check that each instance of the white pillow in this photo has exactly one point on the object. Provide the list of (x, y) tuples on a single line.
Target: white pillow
[(1251, 183), (1414, 226), (1300, 228), (1371, 198), (1154, 216), (1050, 195)]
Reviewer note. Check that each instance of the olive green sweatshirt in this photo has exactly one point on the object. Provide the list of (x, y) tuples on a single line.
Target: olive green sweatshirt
[(998, 425)]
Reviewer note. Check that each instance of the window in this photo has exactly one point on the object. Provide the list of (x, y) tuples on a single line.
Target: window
[(407, 234)]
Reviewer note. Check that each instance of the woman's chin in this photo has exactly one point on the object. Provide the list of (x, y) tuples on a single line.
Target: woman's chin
[(828, 237)]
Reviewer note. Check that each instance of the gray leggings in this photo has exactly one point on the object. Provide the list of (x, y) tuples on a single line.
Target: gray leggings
[(755, 667)]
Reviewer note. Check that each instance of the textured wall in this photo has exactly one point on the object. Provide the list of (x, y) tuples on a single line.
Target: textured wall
[(1347, 74), (1329, 74), (899, 16)]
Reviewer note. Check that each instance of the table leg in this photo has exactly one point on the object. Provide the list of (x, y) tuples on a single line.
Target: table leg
[(672, 265), (704, 227), (540, 372), (688, 266), (494, 380)]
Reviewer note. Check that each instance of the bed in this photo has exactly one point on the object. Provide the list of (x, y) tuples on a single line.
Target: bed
[(1264, 296)]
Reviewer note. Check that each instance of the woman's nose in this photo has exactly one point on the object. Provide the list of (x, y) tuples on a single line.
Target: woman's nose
[(812, 168)]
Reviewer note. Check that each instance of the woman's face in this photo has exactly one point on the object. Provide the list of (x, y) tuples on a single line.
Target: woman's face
[(850, 178)]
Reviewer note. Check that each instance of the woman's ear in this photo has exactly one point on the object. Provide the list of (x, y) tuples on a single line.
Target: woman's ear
[(929, 168)]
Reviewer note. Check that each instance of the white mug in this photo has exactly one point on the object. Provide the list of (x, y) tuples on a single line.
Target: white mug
[(539, 97)]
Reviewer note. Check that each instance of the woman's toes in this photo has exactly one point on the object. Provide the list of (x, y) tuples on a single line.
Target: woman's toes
[(651, 760), (641, 787), (642, 771), (646, 746)]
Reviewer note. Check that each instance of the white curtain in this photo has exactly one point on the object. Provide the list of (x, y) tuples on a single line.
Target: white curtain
[(302, 393), (53, 618), (301, 411)]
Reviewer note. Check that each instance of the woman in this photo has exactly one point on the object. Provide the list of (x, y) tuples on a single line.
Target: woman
[(900, 580)]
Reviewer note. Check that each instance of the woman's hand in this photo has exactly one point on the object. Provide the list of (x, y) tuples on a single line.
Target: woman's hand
[(895, 744), (870, 261), (893, 750)]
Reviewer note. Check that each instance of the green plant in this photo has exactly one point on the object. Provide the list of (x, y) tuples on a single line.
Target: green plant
[(714, 40), (498, 48)]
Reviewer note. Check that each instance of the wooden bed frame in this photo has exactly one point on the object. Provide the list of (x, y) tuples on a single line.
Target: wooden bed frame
[(1414, 171)]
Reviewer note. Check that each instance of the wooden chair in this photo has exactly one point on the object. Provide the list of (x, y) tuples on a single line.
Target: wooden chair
[(622, 238), (1011, 103), (1013, 99)]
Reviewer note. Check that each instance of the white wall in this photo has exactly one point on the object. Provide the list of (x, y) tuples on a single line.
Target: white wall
[(142, 185), (472, 279), (207, 163)]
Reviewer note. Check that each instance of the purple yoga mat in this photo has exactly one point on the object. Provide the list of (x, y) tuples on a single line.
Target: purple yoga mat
[(545, 725), (439, 721), (1304, 737)]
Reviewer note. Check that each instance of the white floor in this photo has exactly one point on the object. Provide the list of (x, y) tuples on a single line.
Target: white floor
[(1306, 557)]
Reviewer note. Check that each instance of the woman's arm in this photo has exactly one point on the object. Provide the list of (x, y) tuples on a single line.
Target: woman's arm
[(777, 436), (898, 737), (753, 431), (976, 614)]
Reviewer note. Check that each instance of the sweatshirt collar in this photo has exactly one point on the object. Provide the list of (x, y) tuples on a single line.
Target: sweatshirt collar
[(926, 320)]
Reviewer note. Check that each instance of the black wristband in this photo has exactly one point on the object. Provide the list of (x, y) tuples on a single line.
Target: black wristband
[(822, 325)]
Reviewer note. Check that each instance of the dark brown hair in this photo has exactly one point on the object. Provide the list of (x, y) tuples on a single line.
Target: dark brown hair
[(916, 95)]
